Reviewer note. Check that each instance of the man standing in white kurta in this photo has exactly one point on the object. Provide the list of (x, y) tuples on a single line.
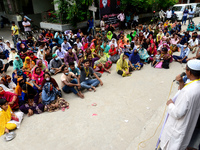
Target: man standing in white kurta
[(184, 113)]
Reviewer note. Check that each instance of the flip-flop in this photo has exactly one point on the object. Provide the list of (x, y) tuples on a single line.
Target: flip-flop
[(10, 136), (63, 109)]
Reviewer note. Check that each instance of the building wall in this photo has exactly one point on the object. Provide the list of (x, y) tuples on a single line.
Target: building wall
[(40, 6)]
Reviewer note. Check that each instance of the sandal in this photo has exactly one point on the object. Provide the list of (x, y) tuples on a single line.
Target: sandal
[(10, 136)]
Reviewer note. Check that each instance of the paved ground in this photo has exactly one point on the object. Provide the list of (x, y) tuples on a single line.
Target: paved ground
[(128, 111)]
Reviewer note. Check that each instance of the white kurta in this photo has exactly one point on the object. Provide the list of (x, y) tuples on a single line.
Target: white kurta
[(183, 116)]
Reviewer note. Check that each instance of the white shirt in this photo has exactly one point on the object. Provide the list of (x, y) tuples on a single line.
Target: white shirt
[(193, 43), (146, 34), (65, 46), (40, 55), (61, 54), (2, 47), (79, 45), (136, 18), (19, 18), (102, 25), (12, 56), (161, 14), (26, 28), (191, 14), (183, 116), (169, 13)]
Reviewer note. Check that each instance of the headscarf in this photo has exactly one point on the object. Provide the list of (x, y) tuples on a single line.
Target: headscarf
[(4, 119), (115, 43), (134, 59), (17, 64), (153, 50), (44, 67), (109, 36), (38, 77), (18, 89), (48, 95), (30, 65), (121, 64), (103, 59), (106, 49)]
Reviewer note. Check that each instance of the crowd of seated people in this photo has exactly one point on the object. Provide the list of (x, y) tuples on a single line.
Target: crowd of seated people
[(81, 59)]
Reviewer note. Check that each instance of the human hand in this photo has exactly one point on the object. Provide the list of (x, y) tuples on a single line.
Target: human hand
[(169, 102), (11, 103), (179, 78), (30, 112), (101, 83)]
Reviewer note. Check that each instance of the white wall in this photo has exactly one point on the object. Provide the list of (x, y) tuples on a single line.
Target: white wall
[(40, 6)]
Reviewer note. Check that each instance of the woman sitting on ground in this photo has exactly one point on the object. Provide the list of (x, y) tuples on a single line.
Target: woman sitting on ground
[(23, 51), (11, 98), (23, 93), (48, 78), (28, 66), (166, 58), (134, 61), (8, 120), (51, 100), (113, 54), (7, 81), (32, 104), (37, 78), (17, 75), (17, 64), (103, 64), (152, 51), (144, 56), (122, 66), (42, 65)]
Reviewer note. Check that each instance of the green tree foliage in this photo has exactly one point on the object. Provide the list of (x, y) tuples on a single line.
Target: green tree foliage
[(73, 11)]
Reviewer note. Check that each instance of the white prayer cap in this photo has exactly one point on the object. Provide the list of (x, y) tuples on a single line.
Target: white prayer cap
[(194, 64), (7, 41)]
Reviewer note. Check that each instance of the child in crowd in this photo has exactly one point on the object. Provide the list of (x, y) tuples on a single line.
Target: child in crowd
[(156, 58)]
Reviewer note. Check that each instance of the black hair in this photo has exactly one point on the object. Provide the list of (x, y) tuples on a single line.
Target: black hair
[(47, 74), (164, 49), (193, 72), (86, 60), (71, 63), (132, 45), (63, 67), (58, 45), (13, 49), (24, 87), (12, 22), (2, 101)]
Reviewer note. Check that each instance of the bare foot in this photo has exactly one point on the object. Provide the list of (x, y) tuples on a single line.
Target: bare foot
[(90, 89), (56, 105), (94, 89), (6, 130), (80, 95)]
